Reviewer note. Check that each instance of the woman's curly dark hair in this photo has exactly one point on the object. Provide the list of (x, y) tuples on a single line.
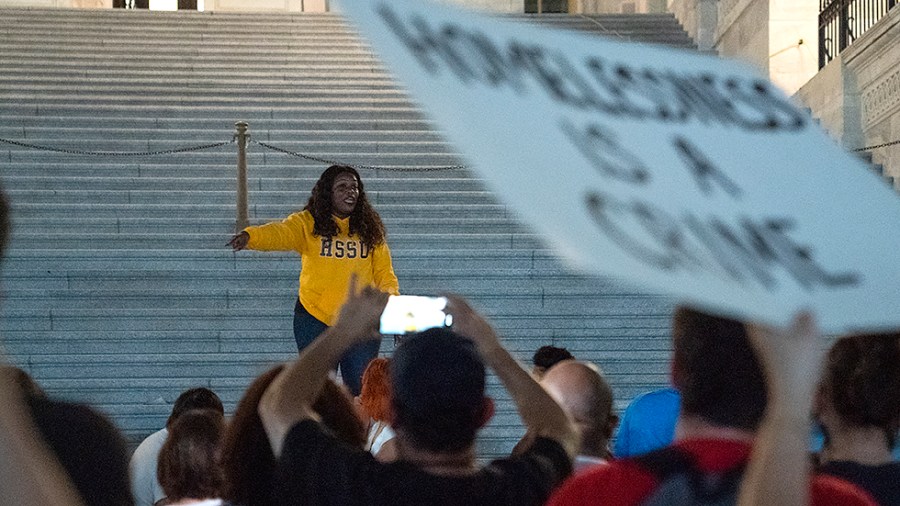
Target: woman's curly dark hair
[(364, 221), (862, 380)]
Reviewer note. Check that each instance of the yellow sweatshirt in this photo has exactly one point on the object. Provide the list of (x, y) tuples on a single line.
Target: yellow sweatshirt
[(326, 263)]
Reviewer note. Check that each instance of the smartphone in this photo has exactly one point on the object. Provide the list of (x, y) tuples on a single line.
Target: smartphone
[(406, 314)]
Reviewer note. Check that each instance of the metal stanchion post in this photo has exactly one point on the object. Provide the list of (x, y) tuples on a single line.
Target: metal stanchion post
[(242, 136)]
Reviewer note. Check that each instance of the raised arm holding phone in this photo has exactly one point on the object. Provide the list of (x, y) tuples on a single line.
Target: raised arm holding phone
[(437, 407)]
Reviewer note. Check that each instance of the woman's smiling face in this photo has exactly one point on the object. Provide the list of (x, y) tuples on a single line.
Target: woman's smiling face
[(344, 194)]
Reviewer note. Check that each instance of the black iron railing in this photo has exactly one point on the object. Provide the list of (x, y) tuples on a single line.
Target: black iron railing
[(843, 21)]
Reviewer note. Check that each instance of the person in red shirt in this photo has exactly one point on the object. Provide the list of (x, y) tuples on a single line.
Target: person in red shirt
[(724, 398)]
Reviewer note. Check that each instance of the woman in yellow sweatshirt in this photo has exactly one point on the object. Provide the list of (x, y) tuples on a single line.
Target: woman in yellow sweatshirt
[(337, 234)]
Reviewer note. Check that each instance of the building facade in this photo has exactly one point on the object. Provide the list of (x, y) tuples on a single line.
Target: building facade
[(855, 96)]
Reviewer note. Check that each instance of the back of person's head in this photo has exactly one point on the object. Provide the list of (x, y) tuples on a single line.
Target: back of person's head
[(375, 394), (248, 462), (583, 392), (716, 370), (189, 466), (438, 382), (648, 423), (90, 448), (335, 408), (23, 381), (861, 381), (247, 459), (195, 398), (547, 356)]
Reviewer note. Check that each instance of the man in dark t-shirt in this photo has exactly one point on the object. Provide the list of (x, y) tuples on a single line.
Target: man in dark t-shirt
[(318, 470), (438, 404)]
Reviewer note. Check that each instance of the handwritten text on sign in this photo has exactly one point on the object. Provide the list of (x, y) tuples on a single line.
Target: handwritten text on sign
[(684, 173)]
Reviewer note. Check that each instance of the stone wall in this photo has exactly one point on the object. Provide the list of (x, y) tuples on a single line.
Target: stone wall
[(743, 32), (793, 43), (699, 19), (834, 101), (857, 95), (493, 5), (266, 5), (873, 61), (616, 6), (776, 37)]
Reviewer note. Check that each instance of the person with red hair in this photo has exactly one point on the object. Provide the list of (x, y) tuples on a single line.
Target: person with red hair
[(374, 401)]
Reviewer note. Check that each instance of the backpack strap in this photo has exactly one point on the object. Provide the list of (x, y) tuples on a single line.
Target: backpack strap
[(707, 488), (666, 462)]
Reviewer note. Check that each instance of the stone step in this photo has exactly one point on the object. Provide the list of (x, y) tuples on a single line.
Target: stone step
[(197, 240), (228, 113), (530, 299), (258, 213), (24, 70), (407, 260), (226, 183), (292, 91), (179, 41), (301, 90), (324, 54), (188, 196), (324, 145), (302, 170), (99, 147), (315, 66), (56, 332), (200, 100), (643, 334), (205, 124), (236, 319), (87, 138), (201, 365), (225, 224), (222, 155), (263, 274)]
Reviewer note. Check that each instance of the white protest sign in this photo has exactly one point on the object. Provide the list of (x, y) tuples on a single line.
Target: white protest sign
[(682, 173)]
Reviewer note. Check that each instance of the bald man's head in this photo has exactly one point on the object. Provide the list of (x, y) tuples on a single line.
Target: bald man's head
[(580, 388)]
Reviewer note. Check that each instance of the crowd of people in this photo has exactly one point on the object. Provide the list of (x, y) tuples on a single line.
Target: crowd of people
[(734, 428)]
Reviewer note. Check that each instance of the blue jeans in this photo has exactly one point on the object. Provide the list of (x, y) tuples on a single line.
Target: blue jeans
[(307, 328)]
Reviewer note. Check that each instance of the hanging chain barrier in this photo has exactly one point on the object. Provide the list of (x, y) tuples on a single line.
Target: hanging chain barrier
[(867, 148), (242, 138), (367, 167), (118, 153)]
